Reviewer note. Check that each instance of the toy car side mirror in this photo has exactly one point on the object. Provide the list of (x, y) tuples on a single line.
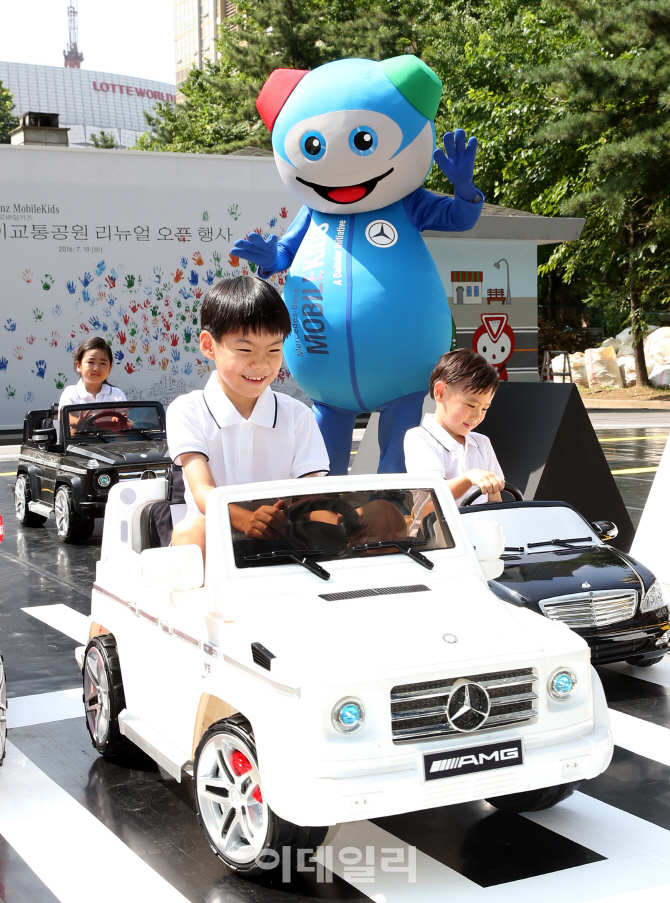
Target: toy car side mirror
[(605, 529), (45, 436), (490, 546), (174, 567)]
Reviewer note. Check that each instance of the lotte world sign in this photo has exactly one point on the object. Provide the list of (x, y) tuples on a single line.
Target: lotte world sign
[(132, 91)]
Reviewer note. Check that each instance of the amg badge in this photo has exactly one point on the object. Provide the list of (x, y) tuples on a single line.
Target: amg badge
[(474, 759)]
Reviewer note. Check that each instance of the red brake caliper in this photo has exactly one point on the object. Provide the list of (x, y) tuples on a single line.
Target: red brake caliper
[(241, 765)]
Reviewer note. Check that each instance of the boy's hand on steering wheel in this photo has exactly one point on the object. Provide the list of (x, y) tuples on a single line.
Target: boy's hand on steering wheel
[(490, 483), (267, 522)]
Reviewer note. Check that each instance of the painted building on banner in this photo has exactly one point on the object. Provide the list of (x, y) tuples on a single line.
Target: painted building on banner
[(490, 276), (87, 101), (125, 244)]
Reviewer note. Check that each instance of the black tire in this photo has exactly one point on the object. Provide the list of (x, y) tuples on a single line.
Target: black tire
[(104, 699), (22, 496), (534, 800), (645, 662), (70, 526), (3, 710), (270, 833)]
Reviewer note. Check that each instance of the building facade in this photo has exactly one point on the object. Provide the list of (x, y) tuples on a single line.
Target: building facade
[(87, 101), (197, 24)]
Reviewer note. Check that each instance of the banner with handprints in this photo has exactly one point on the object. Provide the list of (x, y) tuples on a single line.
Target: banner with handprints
[(135, 274)]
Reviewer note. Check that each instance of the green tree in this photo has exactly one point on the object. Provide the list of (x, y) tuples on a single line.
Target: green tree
[(7, 121), (219, 113), (104, 140), (614, 96)]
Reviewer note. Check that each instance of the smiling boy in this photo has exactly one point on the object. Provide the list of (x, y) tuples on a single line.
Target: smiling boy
[(463, 384), (237, 430)]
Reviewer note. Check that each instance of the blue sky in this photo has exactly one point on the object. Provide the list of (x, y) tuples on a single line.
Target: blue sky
[(126, 37)]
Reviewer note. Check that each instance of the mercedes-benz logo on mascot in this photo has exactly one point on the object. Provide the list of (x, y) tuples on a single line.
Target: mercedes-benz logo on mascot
[(381, 234), (468, 706)]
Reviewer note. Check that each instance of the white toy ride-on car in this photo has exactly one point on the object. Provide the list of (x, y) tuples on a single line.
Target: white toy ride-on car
[(358, 666)]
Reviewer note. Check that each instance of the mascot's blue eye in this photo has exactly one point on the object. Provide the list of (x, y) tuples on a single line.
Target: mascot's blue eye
[(313, 145), (363, 140)]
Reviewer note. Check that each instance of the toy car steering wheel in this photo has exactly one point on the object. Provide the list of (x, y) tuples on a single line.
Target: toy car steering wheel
[(474, 492), (105, 420), (297, 513)]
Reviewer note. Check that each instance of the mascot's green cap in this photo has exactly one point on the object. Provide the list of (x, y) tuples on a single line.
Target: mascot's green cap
[(416, 82)]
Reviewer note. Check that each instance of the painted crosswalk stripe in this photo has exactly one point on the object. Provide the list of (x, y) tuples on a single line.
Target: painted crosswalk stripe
[(43, 708), (63, 618), (641, 737), (66, 846), (636, 854)]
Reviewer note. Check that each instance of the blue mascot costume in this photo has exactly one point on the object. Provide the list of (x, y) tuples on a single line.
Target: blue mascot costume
[(354, 141)]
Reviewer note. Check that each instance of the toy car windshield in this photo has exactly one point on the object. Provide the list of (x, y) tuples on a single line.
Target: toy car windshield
[(93, 420), (338, 525)]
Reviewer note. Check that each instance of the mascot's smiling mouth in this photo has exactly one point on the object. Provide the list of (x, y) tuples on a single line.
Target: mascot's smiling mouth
[(347, 194)]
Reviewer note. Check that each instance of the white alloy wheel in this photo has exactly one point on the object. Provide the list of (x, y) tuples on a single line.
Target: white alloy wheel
[(20, 503), (230, 798), (3, 711), (62, 512), (96, 696)]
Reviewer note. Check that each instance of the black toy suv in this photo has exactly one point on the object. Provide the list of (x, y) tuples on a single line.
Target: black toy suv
[(70, 460)]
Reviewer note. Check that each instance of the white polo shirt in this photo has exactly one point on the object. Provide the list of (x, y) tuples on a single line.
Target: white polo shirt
[(279, 441), (78, 394), (430, 449)]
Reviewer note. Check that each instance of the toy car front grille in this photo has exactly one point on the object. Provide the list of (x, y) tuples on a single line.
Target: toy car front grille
[(596, 609), (418, 711), (137, 474)]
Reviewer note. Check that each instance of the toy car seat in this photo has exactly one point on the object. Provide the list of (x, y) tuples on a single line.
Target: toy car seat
[(159, 518)]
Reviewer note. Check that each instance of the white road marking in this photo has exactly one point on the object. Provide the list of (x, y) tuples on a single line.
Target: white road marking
[(641, 737), (63, 618), (66, 846), (635, 868), (654, 674), (23, 711)]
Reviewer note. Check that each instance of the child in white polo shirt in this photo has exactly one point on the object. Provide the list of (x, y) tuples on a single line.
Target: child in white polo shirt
[(237, 430), (463, 384)]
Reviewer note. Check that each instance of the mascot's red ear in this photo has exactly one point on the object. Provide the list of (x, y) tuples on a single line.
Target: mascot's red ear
[(276, 91)]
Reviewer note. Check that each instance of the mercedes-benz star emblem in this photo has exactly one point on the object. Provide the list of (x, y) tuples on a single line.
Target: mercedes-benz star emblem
[(381, 234), (449, 638), (468, 706)]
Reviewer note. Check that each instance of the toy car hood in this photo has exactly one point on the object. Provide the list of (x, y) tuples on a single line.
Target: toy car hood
[(130, 452), (366, 638), (559, 572)]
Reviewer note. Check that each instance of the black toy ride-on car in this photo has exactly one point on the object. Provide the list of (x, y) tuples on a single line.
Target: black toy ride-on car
[(560, 565), (70, 460)]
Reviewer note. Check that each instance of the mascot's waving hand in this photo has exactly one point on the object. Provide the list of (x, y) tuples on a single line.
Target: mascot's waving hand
[(354, 141)]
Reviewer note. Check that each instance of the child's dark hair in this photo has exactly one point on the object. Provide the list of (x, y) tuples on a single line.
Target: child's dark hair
[(94, 343), (244, 304), (465, 369)]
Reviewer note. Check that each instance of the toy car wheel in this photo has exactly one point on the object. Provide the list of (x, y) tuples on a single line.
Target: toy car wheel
[(239, 825), (70, 526), (534, 800), (645, 662), (3, 711), (21, 498), (104, 698)]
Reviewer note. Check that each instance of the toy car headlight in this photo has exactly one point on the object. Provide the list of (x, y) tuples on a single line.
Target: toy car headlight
[(104, 480), (348, 715), (653, 598), (562, 684)]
